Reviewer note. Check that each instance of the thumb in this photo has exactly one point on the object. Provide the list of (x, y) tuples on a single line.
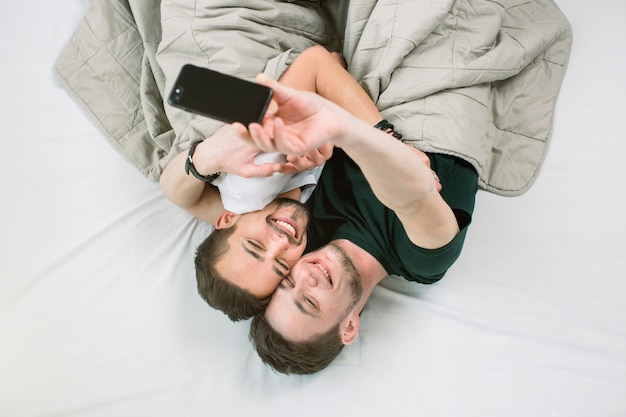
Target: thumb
[(281, 93)]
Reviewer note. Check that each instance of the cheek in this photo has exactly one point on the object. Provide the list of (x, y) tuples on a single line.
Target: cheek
[(264, 285), (295, 254)]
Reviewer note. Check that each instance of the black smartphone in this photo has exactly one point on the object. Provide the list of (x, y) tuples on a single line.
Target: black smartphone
[(219, 96)]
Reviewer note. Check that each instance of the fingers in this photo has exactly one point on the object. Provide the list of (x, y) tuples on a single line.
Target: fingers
[(272, 107), (300, 163), (312, 158), (326, 151), (261, 138), (261, 170), (438, 185), (288, 169), (240, 129)]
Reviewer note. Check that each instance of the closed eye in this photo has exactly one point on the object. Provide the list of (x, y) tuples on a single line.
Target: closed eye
[(289, 280), (310, 302), (291, 283), (255, 250), (283, 265), (255, 245)]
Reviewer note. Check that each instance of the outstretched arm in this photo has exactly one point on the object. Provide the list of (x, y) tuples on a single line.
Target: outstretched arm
[(304, 121)]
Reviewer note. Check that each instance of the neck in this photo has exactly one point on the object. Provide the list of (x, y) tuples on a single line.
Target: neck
[(370, 270)]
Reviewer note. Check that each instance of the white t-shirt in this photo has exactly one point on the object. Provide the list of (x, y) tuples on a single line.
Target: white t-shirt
[(243, 195)]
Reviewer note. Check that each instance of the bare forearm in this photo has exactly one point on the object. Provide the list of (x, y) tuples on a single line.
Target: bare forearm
[(189, 193), (182, 189), (402, 182), (397, 176)]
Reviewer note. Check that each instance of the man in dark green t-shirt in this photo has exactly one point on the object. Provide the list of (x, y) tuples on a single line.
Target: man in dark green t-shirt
[(344, 206), (376, 211)]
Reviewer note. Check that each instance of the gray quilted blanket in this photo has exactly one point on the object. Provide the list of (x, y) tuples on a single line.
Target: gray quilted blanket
[(474, 78)]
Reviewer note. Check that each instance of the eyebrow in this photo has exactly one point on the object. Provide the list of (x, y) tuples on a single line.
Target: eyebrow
[(261, 259), (302, 309), (297, 303)]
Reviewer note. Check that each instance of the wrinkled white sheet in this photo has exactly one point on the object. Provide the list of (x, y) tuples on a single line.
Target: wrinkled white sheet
[(99, 314)]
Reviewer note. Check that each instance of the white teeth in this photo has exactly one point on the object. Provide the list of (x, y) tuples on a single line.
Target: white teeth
[(321, 267), (286, 226)]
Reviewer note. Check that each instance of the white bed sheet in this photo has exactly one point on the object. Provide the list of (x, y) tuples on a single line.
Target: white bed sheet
[(99, 314)]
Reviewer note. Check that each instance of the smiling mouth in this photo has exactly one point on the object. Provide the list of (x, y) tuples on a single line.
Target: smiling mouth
[(288, 227), (324, 271)]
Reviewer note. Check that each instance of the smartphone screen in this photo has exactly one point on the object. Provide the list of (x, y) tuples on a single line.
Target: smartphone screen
[(219, 96)]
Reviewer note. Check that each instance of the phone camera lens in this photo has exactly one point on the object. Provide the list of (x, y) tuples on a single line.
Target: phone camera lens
[(178, 93)]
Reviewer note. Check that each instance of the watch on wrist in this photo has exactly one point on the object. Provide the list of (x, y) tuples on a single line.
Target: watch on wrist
[(189, 167)]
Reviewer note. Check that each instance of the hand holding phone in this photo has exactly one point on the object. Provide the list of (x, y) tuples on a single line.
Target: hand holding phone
[(219, 96)]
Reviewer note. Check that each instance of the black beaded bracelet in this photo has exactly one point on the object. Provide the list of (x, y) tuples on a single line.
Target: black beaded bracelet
[(387, 127), (190, 167)]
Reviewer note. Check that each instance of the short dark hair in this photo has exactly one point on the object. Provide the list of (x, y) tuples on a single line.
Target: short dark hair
[(235, 302), (294, 358), (313, 355)]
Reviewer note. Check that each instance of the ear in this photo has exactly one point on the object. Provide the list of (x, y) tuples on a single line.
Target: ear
[(226, 219), (350, 329)]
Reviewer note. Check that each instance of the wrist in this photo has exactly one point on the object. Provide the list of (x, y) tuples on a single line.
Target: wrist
[(195, 167), (354, 133)]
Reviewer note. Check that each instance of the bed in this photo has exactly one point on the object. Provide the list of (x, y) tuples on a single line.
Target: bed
[(99, 313)]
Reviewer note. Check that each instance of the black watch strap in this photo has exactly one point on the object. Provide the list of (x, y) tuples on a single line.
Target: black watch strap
[(189, 167)]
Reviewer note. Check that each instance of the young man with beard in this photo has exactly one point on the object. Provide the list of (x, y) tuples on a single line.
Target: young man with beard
[(377, 210)]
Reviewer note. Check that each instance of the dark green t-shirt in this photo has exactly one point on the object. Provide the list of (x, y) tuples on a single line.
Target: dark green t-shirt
[(343, 206)]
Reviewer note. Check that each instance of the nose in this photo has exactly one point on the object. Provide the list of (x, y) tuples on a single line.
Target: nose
[(280, 241), (303, 274), (310, 279), (309, 276)]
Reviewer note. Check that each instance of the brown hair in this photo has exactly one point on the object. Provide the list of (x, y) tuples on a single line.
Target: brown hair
[(304, 357), (236, 303), (294, 358)]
